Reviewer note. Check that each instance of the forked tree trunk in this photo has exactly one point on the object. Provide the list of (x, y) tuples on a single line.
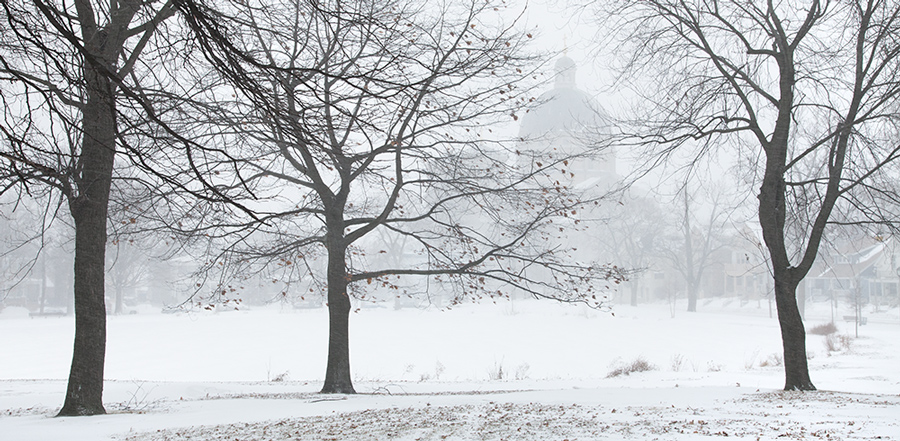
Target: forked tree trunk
[(786, 277), (337, 372), (84, 395)]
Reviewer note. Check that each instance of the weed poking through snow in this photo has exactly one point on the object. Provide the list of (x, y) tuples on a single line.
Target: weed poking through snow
[(637, 365), (677, 362)]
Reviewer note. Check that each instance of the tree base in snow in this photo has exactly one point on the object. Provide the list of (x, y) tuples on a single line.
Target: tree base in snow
[(81, 410), (800, 387), (337, 389)]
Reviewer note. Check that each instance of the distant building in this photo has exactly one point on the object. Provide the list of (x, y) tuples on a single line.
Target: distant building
[(565, 120), (864, 270)]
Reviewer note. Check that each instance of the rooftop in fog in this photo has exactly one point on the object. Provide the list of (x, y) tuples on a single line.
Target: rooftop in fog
[(565, 108)]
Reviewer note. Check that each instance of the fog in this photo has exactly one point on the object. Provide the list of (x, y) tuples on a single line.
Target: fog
[(518, 199)]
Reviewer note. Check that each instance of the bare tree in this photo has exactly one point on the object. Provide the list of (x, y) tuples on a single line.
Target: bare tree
[(129, 267), (808, 92), (360, 117), (632, 237), (65, 63), (691, 249)]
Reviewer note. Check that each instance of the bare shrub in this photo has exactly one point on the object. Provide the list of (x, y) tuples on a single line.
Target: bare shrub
[(139, 401), (845, 341), (677, 362), (751, 362), (438, 369), (278, 378), (638, 365), (496, 373), (823, 329), (772, 360), (837, 343), (522, 371)]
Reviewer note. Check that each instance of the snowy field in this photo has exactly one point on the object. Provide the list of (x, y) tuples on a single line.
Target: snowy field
[(524, 370)]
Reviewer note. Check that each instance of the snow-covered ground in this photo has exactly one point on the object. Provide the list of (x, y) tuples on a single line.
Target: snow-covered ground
[(522, 370)]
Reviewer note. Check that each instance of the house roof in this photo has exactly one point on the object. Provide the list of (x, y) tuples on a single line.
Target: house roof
[(856, 263)]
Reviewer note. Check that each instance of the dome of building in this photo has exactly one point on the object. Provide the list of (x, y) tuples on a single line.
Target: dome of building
[(570, 121), (565, 109)]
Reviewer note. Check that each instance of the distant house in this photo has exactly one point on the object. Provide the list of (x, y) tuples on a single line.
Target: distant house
[(864, 270), (745, 279), (746, 274)]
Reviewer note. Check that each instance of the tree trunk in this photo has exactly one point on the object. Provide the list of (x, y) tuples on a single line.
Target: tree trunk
[(120, 306), (337, 372), (692, 299), (43, 282), (89, 210), (635, 287), (785, 276), (772, 219), (793, 337), (689, 254)]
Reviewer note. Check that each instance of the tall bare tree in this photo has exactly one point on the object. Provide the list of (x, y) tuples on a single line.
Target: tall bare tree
[(129, 266), (357, 117), (806, 89), (632, 237), (699, 235), (65, 62)]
